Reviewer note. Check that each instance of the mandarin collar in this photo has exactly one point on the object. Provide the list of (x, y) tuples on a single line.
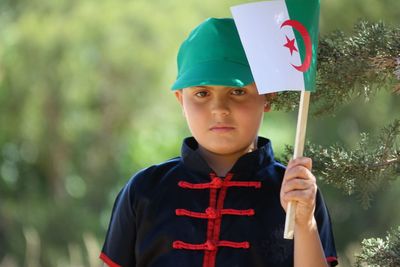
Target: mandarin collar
[(246, 164)]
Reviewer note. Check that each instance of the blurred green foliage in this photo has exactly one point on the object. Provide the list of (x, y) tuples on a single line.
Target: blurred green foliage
[(379, 252), (85, 103)]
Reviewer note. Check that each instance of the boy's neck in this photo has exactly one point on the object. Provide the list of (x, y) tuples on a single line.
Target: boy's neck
[(222, 164)]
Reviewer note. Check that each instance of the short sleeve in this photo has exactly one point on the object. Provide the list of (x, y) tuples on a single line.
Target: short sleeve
[(325, 230), (119, 246)]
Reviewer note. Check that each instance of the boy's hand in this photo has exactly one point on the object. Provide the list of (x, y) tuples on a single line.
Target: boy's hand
[(299, 185)]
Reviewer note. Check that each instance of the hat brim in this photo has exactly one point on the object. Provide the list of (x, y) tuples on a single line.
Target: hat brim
[(223, 73)]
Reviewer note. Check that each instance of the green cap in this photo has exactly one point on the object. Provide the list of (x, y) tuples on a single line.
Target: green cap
[(213, 55)]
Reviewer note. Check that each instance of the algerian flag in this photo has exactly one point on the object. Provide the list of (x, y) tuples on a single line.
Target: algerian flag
[(280, 39)]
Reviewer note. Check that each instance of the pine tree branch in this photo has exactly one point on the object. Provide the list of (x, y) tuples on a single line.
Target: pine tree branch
[(363, 171), (352, 66), (380, 253), (385, 164)]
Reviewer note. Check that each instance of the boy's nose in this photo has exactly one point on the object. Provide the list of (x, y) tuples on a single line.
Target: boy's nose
[(220, 107)]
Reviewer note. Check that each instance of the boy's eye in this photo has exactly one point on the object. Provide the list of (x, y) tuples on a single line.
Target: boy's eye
[(238, 92), (201, 94)]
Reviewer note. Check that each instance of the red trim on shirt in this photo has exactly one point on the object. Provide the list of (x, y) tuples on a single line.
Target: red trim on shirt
[(217, 224), (108, 261), (214, 213), (209, 245), (211, 213), (218, 183), (210, 223), (331, 259)]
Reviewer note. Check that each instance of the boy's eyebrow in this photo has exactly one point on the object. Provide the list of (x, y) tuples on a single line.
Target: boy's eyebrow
[(208, 87)]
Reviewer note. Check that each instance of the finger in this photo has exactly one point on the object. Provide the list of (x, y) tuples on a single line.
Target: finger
[(297, 184), (303, 161), (300, 172), (306, 197)]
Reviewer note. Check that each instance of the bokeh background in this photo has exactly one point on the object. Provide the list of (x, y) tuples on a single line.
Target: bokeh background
[(85, 103)]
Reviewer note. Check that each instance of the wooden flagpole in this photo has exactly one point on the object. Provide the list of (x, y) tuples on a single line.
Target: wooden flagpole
[(298, 152)]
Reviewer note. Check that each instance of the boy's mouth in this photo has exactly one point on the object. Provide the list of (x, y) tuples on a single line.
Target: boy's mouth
[(221, 128)]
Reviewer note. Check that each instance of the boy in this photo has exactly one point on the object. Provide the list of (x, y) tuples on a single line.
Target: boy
[(222, 203)]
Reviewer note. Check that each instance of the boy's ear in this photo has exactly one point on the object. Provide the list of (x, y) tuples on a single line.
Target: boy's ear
[(178, 95)]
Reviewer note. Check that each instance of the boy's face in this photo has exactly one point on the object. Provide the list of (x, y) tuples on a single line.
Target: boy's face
[(223, 120)]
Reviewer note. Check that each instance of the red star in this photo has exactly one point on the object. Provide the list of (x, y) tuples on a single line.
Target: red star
[(290, 44)]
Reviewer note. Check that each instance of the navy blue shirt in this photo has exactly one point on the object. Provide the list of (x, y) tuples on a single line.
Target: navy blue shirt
[(179, 213)]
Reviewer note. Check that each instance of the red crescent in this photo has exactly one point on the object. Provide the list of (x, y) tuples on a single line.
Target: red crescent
[(307, 42)]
